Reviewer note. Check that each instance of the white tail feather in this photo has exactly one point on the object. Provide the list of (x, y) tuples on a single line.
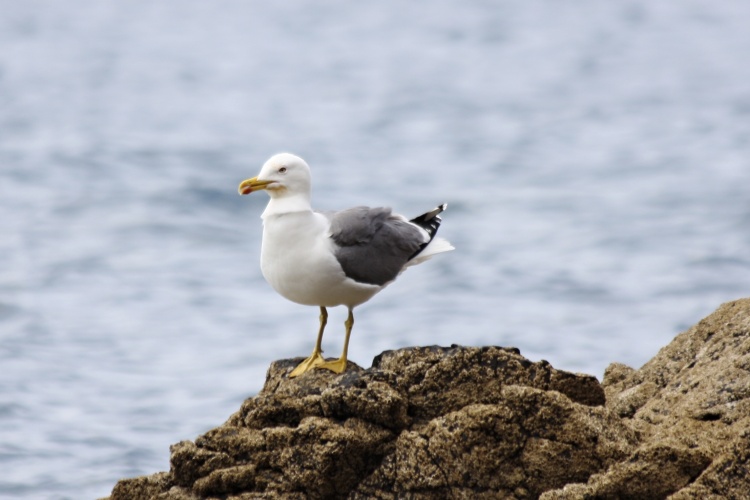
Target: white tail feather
[(436, 246)]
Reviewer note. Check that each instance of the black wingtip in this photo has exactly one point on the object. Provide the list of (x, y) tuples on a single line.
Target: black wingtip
[(432, 213), (430, 221)]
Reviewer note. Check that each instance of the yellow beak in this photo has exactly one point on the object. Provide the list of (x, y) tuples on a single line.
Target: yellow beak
[(249, 185)]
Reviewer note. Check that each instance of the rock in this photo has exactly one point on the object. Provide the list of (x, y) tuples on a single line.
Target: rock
[(529, 441), (143, 487), (466, 422), (691, 406), (651, 472)]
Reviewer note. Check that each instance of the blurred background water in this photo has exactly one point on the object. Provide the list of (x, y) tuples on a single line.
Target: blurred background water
[(594, 155)]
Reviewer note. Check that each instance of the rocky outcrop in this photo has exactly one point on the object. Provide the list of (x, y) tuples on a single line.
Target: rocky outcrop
[(691, 406), (465, 422)]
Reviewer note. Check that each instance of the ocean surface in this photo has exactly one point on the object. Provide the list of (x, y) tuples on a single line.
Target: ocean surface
[(595, 157)]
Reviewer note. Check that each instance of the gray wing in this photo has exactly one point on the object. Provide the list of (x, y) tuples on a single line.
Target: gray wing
[(373, 244)]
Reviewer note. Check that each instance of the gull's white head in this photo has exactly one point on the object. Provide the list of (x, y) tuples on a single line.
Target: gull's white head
[(282, 175)]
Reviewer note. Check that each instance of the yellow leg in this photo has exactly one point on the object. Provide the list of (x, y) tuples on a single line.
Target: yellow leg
[(339, 365), (316, 358)]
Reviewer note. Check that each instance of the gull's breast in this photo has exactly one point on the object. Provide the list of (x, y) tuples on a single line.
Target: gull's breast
[(298, 261)]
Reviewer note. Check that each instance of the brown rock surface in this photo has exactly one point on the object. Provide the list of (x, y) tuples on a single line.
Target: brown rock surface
[(691, 402), (463, 422)]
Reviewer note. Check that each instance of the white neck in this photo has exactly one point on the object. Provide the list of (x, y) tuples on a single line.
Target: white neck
[(288, 203)]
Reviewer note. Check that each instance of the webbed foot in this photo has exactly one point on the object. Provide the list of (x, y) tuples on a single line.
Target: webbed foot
[(336, 366), (315, 359)]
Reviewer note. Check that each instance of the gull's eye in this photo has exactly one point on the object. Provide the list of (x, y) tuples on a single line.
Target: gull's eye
[(282, 170)]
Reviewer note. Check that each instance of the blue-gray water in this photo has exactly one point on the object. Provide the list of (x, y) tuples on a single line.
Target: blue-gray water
[(595, 157)]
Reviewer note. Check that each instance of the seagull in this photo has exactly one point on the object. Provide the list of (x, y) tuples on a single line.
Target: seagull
[(329, 259)]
